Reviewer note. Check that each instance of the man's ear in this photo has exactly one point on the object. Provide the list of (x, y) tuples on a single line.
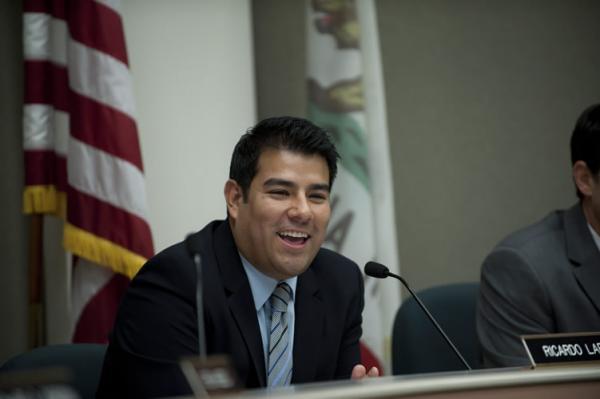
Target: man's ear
[(233, 197), (583, 178)]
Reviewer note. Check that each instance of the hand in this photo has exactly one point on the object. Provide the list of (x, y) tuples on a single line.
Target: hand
[(359, 372)]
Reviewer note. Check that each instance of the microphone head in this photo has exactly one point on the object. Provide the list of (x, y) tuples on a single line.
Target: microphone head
[(376, 270)]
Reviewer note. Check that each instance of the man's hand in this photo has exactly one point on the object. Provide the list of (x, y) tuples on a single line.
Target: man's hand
[(359, 371)]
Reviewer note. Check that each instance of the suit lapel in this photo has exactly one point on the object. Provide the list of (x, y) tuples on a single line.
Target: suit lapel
[(239, 297), (309, 321), (583, 253)]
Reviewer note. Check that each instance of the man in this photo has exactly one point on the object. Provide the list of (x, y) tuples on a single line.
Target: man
[(546, 277), (283, 308)]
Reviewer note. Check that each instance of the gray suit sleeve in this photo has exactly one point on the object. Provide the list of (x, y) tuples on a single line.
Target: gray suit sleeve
[(512, 302)]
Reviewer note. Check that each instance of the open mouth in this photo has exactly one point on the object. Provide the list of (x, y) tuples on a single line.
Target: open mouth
[(294, 238)]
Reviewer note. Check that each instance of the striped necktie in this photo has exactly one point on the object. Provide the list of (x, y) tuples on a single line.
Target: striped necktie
[(279, 371)]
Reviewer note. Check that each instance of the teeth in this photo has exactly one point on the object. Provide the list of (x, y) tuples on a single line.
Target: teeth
[(295, 234)]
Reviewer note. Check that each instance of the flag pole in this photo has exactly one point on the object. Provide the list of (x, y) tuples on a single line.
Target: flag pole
[(36, 283)]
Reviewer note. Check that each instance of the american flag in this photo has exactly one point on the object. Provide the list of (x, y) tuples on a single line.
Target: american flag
[(82, 155)]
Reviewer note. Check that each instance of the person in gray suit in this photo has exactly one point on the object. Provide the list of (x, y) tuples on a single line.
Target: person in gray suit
[(545, 278)]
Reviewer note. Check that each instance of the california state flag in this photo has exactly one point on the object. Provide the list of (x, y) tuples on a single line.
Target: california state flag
[(345, 87)]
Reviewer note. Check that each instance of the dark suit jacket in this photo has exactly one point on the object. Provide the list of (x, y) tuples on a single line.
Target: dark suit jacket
[(542, 279), (156, 322)]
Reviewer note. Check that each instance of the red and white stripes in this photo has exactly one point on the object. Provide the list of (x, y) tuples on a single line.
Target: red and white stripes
[(82, 154)]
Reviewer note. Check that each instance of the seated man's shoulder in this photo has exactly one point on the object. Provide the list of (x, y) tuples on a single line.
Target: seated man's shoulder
[(176, 260), (330, 266), (160, 302), (333, 260), (538, 250), (541, 235), (172, 263)]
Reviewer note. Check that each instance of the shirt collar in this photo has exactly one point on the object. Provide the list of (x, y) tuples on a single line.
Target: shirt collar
[(261, 285), (595, 236)]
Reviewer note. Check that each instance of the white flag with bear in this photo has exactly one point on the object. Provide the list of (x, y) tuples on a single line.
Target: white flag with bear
[(345, 89)]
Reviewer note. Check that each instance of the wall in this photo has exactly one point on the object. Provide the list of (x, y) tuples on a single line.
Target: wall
[(192, 65), (481, 98)]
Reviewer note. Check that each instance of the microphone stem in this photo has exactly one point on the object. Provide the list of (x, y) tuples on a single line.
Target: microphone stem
[(200, 307), (435, 323)]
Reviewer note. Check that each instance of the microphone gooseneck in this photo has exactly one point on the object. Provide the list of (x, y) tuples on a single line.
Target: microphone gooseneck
[(377, 270), (197, 258)]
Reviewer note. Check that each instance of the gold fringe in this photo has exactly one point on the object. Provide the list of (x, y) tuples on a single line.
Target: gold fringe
[(101, 251), (47, 199), (44, 199)]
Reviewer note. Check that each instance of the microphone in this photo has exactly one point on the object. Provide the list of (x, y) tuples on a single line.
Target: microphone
[(195, 254), (378, 270)]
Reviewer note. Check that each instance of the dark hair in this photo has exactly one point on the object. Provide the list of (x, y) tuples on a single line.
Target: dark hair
[(585, 140), (286, 133)]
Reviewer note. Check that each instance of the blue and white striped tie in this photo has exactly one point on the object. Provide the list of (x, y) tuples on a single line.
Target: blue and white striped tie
[(279, 371)]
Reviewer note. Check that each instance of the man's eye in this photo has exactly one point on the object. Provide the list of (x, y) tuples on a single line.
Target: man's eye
[(318, 197), (278, 193)]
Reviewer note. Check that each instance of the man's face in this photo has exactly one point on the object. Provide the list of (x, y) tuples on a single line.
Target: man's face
[(281, 225), (593, 214), (588, 184)]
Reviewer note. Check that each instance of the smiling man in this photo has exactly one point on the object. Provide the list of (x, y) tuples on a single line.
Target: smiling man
[(281, 307)]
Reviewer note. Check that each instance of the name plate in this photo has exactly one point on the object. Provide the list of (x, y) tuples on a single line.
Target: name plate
[(209, 375), (558, 349)]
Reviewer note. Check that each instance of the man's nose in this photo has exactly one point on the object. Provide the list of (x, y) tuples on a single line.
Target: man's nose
[(300, 210)]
